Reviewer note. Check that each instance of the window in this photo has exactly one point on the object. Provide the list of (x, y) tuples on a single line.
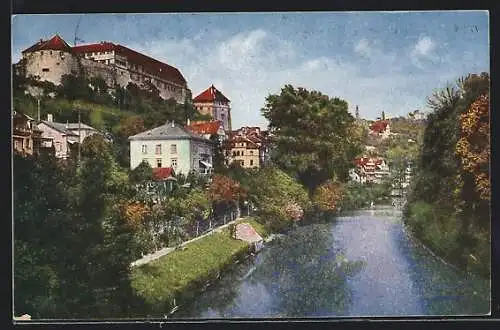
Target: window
[(251, 162), (158, 163), (242, 152), (173, 148), (45, 70), (174, 162), (234, 153), (158, 149), (58, 146), (251, 152), (50, 52), (144, 149), (41, 53), (242, 163)]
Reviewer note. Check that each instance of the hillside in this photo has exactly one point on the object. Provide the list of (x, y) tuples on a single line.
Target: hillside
[(120, 113)]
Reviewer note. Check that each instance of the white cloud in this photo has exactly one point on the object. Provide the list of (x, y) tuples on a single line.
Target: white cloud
[(424, 46), (363, 48), (423, 51), (250, 65)]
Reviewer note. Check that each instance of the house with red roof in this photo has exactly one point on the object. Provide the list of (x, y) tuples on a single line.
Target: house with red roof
[(369, 170), (212, 102), (118, 65), (380, 128), (207, 128), (242, 150)]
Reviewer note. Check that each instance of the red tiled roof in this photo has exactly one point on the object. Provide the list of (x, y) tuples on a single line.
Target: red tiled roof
[(379, 126), (239, 139), (150, 64), (54, 43), (93, 48), (209, 127), (211, 94), (162, 173)]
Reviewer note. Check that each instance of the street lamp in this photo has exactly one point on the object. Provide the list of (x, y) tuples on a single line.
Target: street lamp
[(248, 207)]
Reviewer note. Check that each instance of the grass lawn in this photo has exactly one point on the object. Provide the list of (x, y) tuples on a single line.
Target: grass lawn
[(182, 272)]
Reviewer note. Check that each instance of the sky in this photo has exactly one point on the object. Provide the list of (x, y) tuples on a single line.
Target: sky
[(379, 61)]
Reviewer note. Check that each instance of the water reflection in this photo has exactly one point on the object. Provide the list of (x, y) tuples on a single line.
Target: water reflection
[(304, 274), (363, 264)]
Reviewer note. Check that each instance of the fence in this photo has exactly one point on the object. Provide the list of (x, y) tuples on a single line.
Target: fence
[(174, 232)]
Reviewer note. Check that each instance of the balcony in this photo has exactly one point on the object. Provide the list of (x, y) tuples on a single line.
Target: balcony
[(23, 131)]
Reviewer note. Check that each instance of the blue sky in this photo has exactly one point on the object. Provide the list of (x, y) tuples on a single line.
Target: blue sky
[(390, 61)]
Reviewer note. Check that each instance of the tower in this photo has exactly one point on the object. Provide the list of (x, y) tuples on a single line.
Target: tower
[(212, 102), (357, 113)]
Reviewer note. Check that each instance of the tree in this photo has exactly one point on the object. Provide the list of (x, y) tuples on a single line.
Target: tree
[(225, 192), (311, 135), (278, 197), (131, 126), (451, 177), (327, 196), (143, 172), (74, 87), (473, 148), (218, 156)]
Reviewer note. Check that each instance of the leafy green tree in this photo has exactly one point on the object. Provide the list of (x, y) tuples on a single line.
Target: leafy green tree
[(218, 158), (312, 137), (74, 87), (143, 172), (439, 180)]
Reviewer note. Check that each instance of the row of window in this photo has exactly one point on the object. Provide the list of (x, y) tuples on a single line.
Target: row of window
[(173, 162), (173, 149), (50, 53), (98, 53), (242, 162), (239, 153)]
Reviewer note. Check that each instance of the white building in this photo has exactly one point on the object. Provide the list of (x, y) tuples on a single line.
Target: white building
[(172, 145), (369, 170)]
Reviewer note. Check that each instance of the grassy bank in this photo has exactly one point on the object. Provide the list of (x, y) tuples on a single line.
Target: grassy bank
[(441, 232), (181, 274)]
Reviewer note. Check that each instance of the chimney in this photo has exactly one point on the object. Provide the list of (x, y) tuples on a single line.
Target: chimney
[(67, 124), (49, 117), (173, 123)]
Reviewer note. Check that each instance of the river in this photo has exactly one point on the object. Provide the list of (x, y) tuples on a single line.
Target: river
[(361, 264)]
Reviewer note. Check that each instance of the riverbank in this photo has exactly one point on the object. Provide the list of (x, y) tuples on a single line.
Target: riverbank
[(178, 276), (440, 233)]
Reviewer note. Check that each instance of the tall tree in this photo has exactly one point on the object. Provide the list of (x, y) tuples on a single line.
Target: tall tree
[(311, 135)]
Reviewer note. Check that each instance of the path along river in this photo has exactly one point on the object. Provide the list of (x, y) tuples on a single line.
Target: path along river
[(361, 264)]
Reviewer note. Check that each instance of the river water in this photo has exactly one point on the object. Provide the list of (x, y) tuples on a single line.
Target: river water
[(361, 264)]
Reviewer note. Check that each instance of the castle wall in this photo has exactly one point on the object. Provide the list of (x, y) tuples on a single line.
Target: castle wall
[(49, 65), (94, 69)]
